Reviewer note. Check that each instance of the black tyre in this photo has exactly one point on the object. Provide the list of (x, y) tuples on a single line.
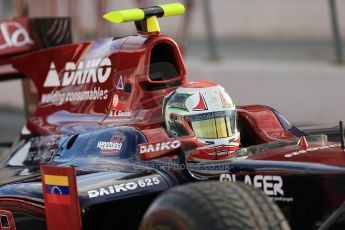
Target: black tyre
[(213, 205)]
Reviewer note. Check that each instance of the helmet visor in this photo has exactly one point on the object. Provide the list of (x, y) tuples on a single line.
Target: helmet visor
[(214, 125)]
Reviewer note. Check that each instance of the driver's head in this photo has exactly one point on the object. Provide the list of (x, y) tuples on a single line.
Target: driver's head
[(203, 109)]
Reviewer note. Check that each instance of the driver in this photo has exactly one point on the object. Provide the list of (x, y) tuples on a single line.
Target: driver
[(203, 109)]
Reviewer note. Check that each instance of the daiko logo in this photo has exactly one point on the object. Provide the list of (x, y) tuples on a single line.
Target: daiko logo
[(160, 146), (91, 71)]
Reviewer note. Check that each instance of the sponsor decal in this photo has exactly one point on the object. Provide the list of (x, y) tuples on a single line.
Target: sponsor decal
[(57, 188), (117, 106), (225, 177), (59, 98), (160, 146), (13, 34), (52, 78), (120, 84), (115, 101), (207, 116), (308, 150), (42, 149), (112, 146), (124, 187), (271, 185), (7, 220), (51, 140), (90, 71)]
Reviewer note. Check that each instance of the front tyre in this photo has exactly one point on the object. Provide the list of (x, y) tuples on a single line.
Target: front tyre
[(213, 205)]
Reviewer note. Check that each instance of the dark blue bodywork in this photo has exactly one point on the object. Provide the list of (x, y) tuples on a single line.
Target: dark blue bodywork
[(111, 177)]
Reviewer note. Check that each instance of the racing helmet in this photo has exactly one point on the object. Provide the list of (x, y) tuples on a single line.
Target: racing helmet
[(203, 109)]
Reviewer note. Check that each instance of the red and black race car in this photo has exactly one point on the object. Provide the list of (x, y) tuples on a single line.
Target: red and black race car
[(91, 155)]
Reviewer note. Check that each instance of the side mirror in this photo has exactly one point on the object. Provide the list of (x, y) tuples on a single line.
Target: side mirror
[(173, 146)]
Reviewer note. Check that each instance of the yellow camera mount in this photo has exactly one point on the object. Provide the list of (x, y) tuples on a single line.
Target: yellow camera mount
[(145, 18)]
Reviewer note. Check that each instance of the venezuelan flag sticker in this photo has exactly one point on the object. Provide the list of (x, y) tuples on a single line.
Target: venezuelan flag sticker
[(57, 188)]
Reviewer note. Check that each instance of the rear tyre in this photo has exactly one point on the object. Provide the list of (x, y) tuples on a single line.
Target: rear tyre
[(213, 205)]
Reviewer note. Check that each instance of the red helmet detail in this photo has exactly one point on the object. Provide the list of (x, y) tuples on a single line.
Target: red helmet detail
[(199, 84), (201, 105)]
